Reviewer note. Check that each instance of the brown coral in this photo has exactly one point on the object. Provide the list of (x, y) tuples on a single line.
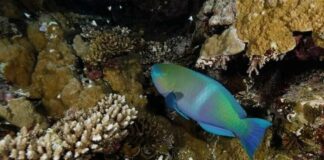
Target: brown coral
[(268, 25), (22, 113), (17, 56), (54, 79), (105, 45), (123, 76), (150, 136)]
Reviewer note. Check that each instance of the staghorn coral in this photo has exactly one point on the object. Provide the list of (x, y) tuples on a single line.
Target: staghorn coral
[(267, 27), (76, 136), (216, 50), (21, 112)]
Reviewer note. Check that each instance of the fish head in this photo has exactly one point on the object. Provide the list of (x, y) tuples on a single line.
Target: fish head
[(163, 78)]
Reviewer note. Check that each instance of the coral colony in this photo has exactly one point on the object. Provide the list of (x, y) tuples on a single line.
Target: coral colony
[(74, 136), (75, 79)]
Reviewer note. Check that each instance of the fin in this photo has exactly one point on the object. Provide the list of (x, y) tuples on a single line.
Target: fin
[(216, 130), (171, 101), (253, 135)]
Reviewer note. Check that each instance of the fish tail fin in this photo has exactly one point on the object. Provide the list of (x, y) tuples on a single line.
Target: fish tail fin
[(253, 136)]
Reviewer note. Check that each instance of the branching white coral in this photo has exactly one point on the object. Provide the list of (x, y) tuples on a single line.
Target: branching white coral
[(76, 136)]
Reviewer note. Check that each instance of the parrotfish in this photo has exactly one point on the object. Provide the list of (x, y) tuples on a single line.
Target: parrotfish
[(200, 98)]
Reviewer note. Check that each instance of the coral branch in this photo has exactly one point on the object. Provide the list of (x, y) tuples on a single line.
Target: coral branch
[(76, 136)]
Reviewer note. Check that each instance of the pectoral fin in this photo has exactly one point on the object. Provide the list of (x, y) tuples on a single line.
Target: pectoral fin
[(171, 101), (216, 130)]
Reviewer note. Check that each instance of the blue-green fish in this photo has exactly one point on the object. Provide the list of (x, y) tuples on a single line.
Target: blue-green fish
[(201, 98)]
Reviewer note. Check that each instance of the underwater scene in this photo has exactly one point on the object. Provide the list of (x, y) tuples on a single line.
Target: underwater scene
[(161, 79)]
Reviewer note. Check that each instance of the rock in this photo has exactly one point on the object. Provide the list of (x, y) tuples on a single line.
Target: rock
[(217, 48)]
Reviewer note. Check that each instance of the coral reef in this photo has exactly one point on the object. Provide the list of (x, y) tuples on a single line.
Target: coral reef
[(55, 80), (53, 71), (61, 57), (79, 95), (171, 50), (22, 113), (267, 26), (218, 12), (105, 45), (123, 76), (17, 56), (78, 135), (8, 29), (192, 147), (150, 137), (302, 108), (36, 37), (212, 16), (216, 50)]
